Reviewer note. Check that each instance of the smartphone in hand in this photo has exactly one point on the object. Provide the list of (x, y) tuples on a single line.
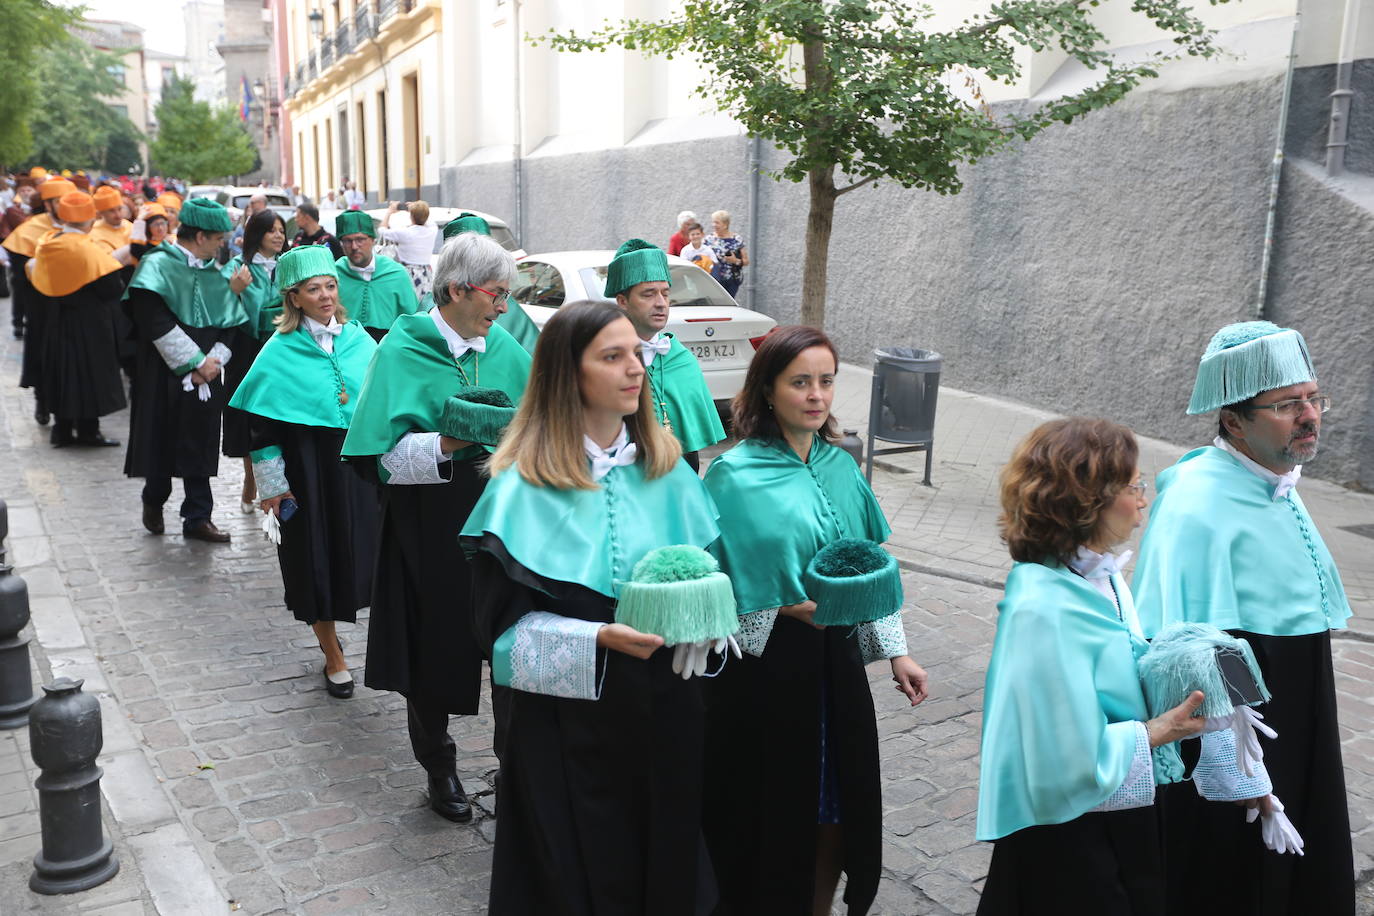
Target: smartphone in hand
[(287, 508)]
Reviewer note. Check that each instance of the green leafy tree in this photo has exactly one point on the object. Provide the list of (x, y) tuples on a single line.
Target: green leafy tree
[(123, 155), (30, 28), (197, 142), (859, 89), (75, 126)]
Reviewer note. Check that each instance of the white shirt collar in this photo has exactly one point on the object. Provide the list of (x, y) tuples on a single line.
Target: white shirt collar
[(260, 259), (66, 228), (1281, 483), (658, 345), (366, 272), (621, 453), (191, 260), (1090, 564), (324, 334), (457, 344)]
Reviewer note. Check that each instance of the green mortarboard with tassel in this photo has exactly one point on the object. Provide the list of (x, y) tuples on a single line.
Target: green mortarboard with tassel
[(206, 215), (853, 581), (352, 222), (477, 415), (680, 594), (466, 222), (1197, 656), (302, 263), (636, 261), (1245, 359)]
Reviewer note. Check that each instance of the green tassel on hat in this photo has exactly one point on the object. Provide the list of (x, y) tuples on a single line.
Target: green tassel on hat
[(352, 222), (466, 222), (853, 581), (302, 263), (636, 261), (680, 594), (203, 213), (1183, 658), (477, 415), (1246, 358)]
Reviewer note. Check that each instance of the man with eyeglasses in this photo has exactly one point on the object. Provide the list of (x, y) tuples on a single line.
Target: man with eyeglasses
[(1230, 543), (375, 289)]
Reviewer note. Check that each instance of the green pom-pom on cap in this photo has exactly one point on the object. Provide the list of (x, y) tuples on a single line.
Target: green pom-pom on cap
[(636, 261), (300, 264), (352, 222), (478, 415), (466, 222), (853, 581), (1247, 358), (1183, 658), (205, 214), (492, 396), (679, 593)]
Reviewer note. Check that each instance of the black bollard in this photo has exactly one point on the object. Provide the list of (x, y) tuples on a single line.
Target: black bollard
[(16, 688), (65, 734)]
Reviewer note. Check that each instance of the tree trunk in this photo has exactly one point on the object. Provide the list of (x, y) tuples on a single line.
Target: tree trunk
[(820, 219)]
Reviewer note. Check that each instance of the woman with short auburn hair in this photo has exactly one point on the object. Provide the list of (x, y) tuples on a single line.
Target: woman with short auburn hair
[(600, 742), (798, 706), (1068, 772)]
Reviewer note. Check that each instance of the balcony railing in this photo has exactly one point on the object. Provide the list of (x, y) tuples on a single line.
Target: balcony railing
[(326, 52), (343, 39), (312, 66), (386, 9), (364, 25), (300, 73)]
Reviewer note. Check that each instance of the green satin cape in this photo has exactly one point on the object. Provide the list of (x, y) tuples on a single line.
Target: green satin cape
[(378, 302), (413, 374), (515, 320), (260, 300), (1061, 701), (294, 381), (679, 392), (1220, 550), (597, 535), (777, 511), (198, 296)]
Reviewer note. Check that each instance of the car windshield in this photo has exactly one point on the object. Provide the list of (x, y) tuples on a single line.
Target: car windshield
[(273, 200), (690, 286)]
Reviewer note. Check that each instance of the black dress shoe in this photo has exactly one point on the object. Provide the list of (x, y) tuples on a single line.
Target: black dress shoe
[(152, 519), (204, 530), (97, 440), (18, 333), (447, 799), (341, 690), (61, 441), (41, 416)]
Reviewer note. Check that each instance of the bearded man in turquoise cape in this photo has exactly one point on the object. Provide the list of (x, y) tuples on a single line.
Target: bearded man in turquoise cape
[(375, 289), (1230, 543), (638, 279)]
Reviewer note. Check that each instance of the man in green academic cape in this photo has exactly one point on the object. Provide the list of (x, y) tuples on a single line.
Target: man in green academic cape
[(375, 289), (1230, 543), (516, 322), (639, 279)]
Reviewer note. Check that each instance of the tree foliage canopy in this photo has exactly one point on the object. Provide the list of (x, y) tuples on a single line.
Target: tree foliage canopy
[(73, 124), (197, 142), (30, 27)]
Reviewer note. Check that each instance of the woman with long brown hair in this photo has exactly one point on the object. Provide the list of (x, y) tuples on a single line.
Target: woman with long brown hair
[(600, 741)]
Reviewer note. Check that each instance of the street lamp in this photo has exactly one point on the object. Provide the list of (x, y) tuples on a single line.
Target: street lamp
[(316, 23)]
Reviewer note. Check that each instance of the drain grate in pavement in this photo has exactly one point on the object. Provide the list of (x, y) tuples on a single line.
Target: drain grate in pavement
[(1362, 530)]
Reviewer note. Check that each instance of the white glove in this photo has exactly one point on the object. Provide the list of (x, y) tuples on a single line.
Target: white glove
[(202, 390), (1248, 751), (1276, 829), (271, 528), (690, 658), (139, 231)]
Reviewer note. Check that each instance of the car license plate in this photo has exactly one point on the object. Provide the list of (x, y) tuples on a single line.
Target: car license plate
[(711, 352)]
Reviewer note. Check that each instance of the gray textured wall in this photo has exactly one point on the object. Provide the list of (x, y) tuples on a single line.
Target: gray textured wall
[(1083, 272), (1309, 117)]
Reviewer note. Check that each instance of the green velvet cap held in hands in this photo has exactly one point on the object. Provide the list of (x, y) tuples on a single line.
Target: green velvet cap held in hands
[(1183, 658), (352, 222), (853, 581), (205, 214), (477, 415), (466, 222), (1246, 358), (300, 264), (679, 593), (636, 261)]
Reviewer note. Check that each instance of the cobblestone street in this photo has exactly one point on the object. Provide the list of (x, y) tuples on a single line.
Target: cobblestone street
[(234, 782)]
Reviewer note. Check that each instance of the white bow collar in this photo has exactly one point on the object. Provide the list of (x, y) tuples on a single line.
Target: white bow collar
[(621, 453), (1282, 483), (261, 261), (658, 345), (324, 334), (1093, 565), (192, 260), (457, 344)]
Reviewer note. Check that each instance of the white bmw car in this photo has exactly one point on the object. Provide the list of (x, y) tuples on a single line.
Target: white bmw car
[(701, 314)]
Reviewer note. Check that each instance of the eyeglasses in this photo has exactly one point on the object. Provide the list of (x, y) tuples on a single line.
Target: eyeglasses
[(1140, 487), (496, 298), (1293, 408)]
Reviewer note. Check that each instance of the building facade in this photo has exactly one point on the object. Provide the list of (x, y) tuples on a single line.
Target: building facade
[(125, 40), (204, 21), (250, 80)]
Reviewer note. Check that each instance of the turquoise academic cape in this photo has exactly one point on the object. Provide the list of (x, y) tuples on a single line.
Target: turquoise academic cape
[(681, 399), (294, 381), (1061, 701), (378, 302), (1220, 550), (199, 297), (260, 300), (810, 504)]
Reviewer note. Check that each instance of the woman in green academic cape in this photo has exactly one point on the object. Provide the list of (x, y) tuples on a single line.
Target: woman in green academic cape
[(792, 742), (600, 784)]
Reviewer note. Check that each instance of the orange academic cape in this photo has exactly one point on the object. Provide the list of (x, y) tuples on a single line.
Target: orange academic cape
[(67, 261), (108, 237), (24, 240)]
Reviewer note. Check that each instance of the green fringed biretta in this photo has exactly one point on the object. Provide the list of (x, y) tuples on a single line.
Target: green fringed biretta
[(378, 302), (1220, 549), (682, 402), (1061, 702), (414, 374), (599, 534), (294, 381), (260, 300), (198, 296), (810, 504)]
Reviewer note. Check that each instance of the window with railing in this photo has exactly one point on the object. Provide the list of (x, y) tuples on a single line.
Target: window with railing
[(386, 9), (312, 66), (326, 52), (364, 25), (343, 39)]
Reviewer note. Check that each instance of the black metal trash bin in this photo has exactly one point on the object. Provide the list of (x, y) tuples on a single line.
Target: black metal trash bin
[(906, 384)]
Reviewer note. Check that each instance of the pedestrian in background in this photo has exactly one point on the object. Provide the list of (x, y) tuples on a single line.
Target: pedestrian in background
[(312, 233), (353, 198), (414, 243), (697, 251), (679, 238), (731, 255)]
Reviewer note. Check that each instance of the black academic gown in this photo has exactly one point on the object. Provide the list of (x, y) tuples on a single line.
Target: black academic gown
[(35, 323), (80, 362), (600, 800), (328, 546), (238, 427), (172, 433)]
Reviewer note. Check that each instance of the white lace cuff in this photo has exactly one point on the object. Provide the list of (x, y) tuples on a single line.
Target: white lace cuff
[(179, 351), (882, 638), (220, 352), (549, 654), (1218, 777), (269, 472), (754, 629), (1138, 788), (414, 460)]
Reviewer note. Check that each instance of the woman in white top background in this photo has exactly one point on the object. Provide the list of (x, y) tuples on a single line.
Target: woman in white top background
[(414, 243)]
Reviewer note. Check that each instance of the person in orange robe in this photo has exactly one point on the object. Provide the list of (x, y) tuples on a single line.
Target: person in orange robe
[(111, 230), (21, 245)]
